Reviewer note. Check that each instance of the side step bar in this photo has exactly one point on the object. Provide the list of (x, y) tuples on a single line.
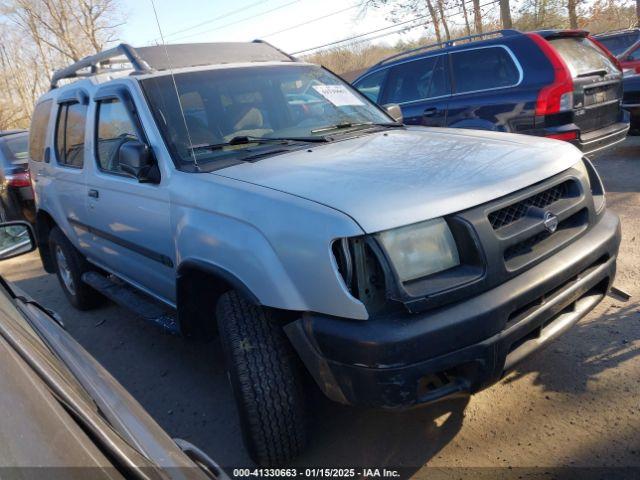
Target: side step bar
[(131, 299)]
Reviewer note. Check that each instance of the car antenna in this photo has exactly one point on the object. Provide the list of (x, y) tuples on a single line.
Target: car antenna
[(175, 87)]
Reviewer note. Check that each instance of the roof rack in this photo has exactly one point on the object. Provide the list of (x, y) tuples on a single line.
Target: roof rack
[(95, 63), (166, 57), (451, 43), (619, 30)]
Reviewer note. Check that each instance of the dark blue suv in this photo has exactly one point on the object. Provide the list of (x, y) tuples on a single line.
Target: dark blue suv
[(555, 83)]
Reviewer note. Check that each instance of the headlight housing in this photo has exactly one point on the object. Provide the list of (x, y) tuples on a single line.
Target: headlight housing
[(594, 183), (421, 249)]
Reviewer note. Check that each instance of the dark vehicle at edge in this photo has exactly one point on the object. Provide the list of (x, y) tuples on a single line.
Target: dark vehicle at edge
[(631, 100), (16, 194), (64, 415), (554, 83), (619, 41)]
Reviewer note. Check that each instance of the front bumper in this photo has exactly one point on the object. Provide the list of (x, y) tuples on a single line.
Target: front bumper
[(411, 359)]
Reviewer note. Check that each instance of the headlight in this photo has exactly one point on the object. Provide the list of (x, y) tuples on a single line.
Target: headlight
[(420, 249), (582, 168)]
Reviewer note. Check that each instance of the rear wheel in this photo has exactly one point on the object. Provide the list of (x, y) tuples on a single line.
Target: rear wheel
[(70, 265), (267, 381)]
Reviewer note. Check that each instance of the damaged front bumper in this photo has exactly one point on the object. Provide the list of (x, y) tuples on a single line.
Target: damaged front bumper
[(405, 360)]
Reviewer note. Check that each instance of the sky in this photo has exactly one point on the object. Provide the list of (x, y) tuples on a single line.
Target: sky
[(187, 21)]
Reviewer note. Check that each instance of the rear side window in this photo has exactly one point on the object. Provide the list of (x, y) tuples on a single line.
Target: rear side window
[(483, 69), (38, 130), (114, 128), (371, 86), (417, 80), (583, 57), (17, 148), (70, 126)]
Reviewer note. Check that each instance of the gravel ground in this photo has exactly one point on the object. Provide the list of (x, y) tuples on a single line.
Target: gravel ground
[(576, 404)]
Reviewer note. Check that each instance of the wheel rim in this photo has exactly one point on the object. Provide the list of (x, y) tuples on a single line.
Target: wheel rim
[(65, 271)]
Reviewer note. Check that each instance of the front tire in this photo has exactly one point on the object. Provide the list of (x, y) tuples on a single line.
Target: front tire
[(70, 265), (266, 378)]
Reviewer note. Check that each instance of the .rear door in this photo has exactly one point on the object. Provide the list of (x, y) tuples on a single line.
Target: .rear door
[(421, 87), (484, 90), (597, 82), (66, 166)]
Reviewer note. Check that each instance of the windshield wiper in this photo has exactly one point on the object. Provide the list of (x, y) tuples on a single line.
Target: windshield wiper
[(601, 71), (343, 125), (248, 140)]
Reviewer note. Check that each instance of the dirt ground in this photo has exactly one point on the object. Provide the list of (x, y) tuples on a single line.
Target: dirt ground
[(576, 404)]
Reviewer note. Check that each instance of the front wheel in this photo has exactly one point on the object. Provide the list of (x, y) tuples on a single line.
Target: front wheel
[(266, 378), (70, 265)]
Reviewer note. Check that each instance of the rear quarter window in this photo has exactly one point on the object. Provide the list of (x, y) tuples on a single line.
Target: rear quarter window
[(582, 56), (38, 130), (483, 69)]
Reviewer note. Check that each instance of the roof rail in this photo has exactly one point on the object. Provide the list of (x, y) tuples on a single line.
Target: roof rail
[(618, 30), (291, 57), (95, 62), (451, 43)]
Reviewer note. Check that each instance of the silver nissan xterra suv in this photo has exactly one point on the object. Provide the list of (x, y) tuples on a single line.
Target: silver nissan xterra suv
[(229, 189)]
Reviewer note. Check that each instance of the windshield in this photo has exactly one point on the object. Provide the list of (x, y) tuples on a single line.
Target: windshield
[(617, 44), (17, 148), (266, 102)]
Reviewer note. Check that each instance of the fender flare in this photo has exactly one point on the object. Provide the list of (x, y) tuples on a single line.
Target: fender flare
[(196, 303)]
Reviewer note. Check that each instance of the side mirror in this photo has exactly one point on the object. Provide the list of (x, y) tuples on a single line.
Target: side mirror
[(16, 238), (394, 111), (135, 158)]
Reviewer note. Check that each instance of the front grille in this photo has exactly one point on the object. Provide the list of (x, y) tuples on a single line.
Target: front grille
[(514, 212), (532, 247)]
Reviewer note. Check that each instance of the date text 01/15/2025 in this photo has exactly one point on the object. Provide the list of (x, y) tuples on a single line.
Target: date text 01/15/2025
[(315, 473)]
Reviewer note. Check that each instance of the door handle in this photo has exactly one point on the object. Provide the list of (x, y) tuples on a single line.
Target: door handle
[(93, 193), (430, 112), (47, 155)]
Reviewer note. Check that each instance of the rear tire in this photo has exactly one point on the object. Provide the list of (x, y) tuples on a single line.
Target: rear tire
[(267, 381), (70, 265)]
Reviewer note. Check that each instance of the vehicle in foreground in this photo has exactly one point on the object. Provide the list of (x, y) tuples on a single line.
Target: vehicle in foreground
[(63, 415), (263, 199), (16, 194), (631, 101), (553, 83)]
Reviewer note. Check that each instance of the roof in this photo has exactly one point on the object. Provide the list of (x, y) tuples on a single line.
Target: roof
[(4, 133), (447, 44), (621, 31), (164, 57)]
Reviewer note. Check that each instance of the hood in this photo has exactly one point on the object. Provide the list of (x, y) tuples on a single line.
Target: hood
[(398, 177)]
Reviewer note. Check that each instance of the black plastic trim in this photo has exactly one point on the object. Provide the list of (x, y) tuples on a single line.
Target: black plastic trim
[(134, 247)]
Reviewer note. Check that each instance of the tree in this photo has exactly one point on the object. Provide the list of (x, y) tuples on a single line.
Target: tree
[(637, 13), (443, 19), (477, 16), (505, 13), (39, 36), (573, 15), (467, 27), (434, 20)]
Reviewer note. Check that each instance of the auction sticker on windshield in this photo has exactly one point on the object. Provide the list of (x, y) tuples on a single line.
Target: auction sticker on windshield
[(339, 95)]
